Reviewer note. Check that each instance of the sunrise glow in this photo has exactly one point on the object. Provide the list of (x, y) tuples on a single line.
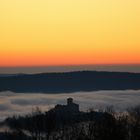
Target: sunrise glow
[(69, 32)]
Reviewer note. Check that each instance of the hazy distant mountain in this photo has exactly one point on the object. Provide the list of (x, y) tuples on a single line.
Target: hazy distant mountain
[(70, 82), (7, 75)]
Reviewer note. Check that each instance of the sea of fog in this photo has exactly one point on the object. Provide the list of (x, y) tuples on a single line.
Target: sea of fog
[(24, 103), (41, 69)]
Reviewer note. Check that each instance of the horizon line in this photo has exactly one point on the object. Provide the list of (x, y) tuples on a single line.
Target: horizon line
[(70, 65)]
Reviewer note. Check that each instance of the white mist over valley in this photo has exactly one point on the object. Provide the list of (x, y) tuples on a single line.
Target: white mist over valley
[(23, 103)]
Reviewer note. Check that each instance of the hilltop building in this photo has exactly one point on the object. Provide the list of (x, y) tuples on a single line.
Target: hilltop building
[(70, 108)]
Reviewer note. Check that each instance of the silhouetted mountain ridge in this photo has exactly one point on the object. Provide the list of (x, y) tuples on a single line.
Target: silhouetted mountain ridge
[(70, 82)]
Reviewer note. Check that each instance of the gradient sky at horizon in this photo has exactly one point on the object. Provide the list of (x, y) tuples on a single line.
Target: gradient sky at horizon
[(69, 32)]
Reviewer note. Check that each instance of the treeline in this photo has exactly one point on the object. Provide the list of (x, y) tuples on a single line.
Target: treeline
[(91, 125)]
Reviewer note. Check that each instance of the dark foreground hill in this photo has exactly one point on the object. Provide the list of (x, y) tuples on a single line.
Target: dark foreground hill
[(92, 125), (70, 82)]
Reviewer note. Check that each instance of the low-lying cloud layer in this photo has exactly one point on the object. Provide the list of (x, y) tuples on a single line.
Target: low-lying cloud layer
[(17, 103)]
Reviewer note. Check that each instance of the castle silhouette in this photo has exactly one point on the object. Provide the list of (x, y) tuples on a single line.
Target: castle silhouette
[(69, 108)]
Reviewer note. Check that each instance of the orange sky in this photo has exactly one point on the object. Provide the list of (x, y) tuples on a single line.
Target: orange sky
[(69, 32)]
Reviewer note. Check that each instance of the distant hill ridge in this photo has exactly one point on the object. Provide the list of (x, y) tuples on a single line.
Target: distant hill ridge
[(68, 82)]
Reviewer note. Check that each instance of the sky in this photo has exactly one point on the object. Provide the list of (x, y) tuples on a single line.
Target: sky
[(69, 32)]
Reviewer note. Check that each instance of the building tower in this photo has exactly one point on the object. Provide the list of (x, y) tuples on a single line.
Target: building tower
[(69, 101)]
